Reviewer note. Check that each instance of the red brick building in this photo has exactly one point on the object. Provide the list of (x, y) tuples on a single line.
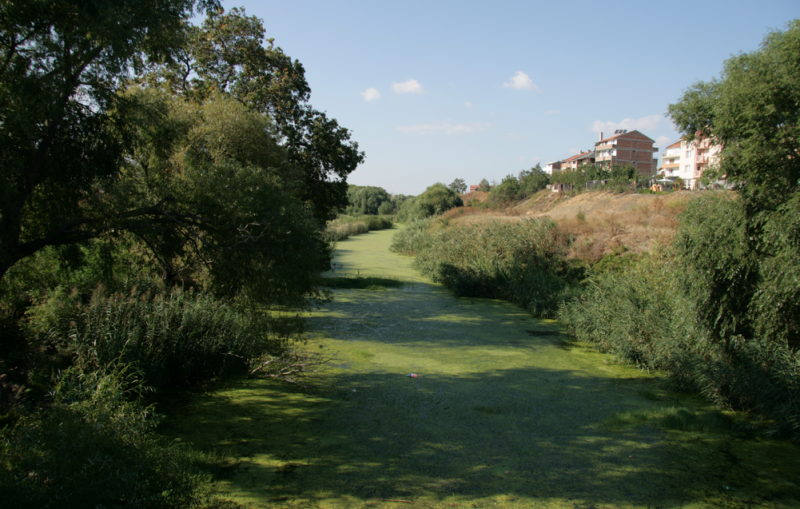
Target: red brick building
[(625, 147)]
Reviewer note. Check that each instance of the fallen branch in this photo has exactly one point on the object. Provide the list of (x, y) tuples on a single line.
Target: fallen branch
[(292, 367)]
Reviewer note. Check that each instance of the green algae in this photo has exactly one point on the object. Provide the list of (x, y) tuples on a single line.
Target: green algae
[(504, 413)]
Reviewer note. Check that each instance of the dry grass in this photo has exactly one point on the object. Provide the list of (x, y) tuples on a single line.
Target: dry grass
[(597, 223)]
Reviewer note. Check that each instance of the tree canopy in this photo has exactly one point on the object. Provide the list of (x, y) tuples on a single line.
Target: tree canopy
[(752, 111), (120, 119), (367, 200), (459, 186), (743, 256)]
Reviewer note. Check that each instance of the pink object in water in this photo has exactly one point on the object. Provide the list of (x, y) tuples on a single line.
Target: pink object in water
[(412, 375)]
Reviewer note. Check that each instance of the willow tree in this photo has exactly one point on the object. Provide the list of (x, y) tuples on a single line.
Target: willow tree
[(743, 255), (120, 118)]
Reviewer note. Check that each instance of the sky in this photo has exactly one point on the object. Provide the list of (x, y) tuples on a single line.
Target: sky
[(437, 90)]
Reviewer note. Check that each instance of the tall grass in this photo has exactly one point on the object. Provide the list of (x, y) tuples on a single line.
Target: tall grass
[(94, 446), (644, 316), (175, 337), (521, 262), (346, 226)]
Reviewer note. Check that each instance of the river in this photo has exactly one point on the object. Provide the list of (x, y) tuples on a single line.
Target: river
[(503, 412)]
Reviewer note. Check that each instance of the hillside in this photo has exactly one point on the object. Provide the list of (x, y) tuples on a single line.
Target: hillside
[(597, 223)]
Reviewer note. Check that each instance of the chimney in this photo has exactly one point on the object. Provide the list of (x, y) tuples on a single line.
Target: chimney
[(601, 136)]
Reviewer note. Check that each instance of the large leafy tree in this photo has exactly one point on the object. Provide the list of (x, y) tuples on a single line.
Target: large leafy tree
[(367, 199), (743, 256), (61, 65), (229, 54), (752, 110), (225, 167)]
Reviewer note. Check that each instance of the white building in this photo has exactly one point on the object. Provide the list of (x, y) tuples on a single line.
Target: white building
[(688, 160)]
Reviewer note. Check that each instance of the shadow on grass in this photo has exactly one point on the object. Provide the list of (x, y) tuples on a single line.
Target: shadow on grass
[(500, 415), (362, 282), (513, 436)]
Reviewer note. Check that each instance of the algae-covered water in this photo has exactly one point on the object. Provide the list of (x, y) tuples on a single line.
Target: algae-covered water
[(503, 413)]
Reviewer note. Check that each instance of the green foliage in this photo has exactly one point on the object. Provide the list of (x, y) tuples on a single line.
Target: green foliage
[(94, 447), (519, 262), (386, 208), (406, 211), (721, 269), (412, 239), (642, 315), (620, 175), (484, 186), (346, 226), (435, 200), (459, 186), (64, 63), (507, 192), (366, 200), (751, 110), (532, 181), (173, 337), (221, 170)]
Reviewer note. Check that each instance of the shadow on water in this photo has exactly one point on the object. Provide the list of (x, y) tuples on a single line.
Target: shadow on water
[(502, 414)]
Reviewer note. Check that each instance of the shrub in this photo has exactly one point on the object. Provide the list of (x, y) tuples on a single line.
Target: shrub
[(346, 226), (644, 315), (94, 447), (521, 262), (175, 337)]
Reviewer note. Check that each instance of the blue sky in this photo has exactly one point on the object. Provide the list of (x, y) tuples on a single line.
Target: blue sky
[(438, 90)]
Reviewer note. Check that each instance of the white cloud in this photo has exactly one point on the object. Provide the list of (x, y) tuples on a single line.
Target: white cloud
[(641, 124), (446, 128), (371, 94), (521, 81), (552, 112), (514, 136), (573, 152), (468, 104), (520, 159), (408, 87), (663, 141)]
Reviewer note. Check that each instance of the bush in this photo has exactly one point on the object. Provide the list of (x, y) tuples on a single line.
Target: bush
[(520, 262), (644, 316), (346, 226), (436, 199), (94, 447), (175, 337)]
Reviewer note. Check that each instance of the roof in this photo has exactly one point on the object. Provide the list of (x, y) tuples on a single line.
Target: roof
[(624, 134), (576, 157), (677, 144)]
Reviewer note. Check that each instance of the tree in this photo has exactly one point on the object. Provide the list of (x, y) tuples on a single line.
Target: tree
[(484, 186), (752, 111), (386, 208), (743, 256), (224, 167), (532, 181), (459, 186), (62, 64), (436, 199), (227, 55), (366, 199), (507, 192)]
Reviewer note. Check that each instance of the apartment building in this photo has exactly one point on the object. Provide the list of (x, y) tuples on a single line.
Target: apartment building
[(688, 160), (633, 148), (572, 163)]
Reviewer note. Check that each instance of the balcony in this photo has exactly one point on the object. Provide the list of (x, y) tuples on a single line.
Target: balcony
[(703, 159)]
